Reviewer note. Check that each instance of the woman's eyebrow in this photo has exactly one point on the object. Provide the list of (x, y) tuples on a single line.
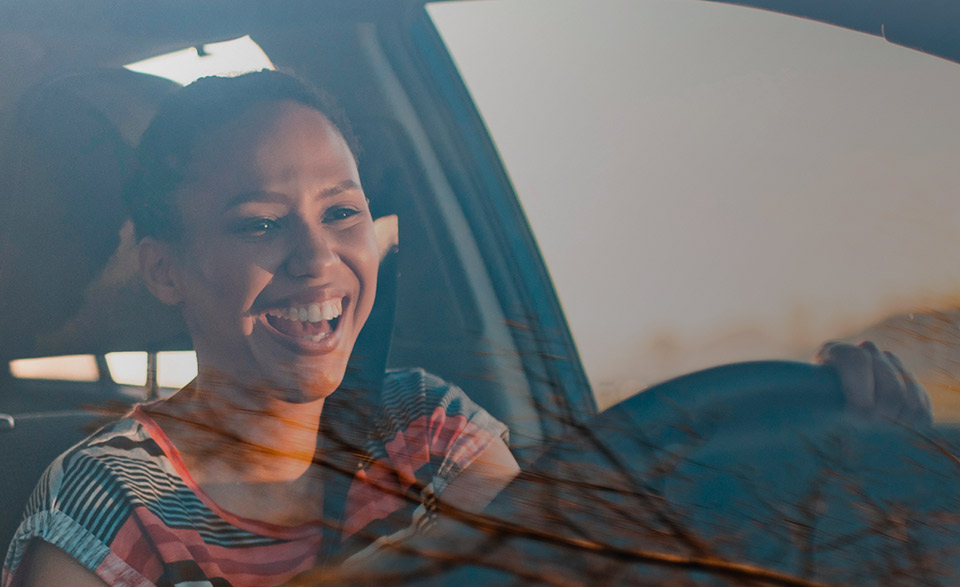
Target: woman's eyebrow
[(339, 188), (270, 197), (254, 196)]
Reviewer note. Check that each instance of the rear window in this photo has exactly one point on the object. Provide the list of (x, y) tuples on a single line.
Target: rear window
[(67, 368), (174, 368), (225, 58)]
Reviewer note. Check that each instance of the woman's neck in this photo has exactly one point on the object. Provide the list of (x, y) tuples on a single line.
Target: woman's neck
[(232, 433)]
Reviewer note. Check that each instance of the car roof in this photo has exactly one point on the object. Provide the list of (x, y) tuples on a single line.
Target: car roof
[(51, 37), (925, 25), (149, 28)]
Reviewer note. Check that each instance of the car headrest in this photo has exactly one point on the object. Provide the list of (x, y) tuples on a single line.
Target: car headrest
[(67, 147)]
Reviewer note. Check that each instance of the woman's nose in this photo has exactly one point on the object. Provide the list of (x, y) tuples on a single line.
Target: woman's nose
[(312, 253)]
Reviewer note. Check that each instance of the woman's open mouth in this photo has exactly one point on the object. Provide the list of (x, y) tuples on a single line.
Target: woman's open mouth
[(310, 323)]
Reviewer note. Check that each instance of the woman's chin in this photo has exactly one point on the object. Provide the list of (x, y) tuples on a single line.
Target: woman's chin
[(306, 392), (295, 387), (291, 383)]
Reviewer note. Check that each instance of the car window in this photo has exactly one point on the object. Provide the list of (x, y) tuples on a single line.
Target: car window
[(224, 58), (65, 368), (174, 368), (724, 184)]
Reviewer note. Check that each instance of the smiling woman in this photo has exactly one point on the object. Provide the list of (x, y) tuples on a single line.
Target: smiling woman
[(272, 219), (286, 453), (252, 220)]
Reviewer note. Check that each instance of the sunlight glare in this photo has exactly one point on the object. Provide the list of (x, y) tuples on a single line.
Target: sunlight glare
[(128, 368), (186, 65), (66, 368), (176, 368)]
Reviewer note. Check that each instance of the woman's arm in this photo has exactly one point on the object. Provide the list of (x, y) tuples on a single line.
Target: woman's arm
[(486, 476), (448, 536), (45, 565)]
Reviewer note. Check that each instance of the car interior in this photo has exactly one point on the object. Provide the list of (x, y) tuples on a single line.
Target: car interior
[(71, 118), (465, 295)]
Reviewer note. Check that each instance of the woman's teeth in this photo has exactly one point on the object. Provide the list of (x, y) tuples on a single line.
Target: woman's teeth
[(309, 317), (327, 310)]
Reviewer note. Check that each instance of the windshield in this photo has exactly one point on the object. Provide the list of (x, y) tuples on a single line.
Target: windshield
[(348, 345), (710, 183)]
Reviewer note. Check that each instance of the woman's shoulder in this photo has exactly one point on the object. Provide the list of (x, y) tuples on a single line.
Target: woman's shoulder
[(414, 391), (115, 438), (411, 394), (86, 492), (115, 468), (122, 440), (116, 456), (415, 382)]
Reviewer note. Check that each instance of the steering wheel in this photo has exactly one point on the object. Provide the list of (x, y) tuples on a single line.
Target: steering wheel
[(763, 394), (750, 466)]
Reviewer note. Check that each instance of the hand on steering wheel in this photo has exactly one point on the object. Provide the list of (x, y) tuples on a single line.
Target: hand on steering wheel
[(876, 384)]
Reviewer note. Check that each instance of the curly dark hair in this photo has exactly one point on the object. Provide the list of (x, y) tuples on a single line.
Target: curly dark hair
[(196, 110)]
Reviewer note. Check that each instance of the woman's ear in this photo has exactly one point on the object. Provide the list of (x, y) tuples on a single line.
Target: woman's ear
[(158, 268)]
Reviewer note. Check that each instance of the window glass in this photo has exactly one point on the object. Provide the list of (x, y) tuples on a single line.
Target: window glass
[(66, 368), (128, 368), (174, 368), (711, 183), (226, 58)]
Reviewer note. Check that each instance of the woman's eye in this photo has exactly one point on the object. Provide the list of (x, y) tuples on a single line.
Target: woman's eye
[(340, 213), (257, 226)]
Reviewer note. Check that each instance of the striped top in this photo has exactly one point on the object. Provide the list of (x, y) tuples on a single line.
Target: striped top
[(123, 504)]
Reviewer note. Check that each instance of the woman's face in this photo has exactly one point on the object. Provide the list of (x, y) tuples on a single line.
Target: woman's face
[(278, 267)]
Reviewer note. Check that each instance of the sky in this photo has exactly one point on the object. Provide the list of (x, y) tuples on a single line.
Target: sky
[(711, 183)]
